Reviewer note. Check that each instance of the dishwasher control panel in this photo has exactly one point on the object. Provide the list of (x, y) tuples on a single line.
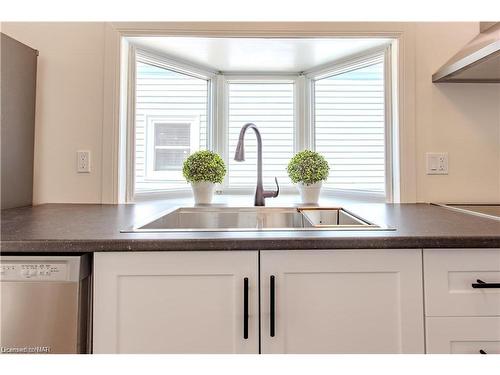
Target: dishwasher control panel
[(39, 271)]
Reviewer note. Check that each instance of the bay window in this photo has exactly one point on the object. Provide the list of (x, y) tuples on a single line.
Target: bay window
[(341, 111)]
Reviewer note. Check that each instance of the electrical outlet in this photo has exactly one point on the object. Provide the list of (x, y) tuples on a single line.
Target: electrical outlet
[(83, 161), (437, 163)]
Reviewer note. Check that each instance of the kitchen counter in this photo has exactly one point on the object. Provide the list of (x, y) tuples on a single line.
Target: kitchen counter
[(77, 228)]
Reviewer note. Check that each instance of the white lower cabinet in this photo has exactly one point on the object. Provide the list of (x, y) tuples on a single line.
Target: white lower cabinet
[(463, 335), (342, 301), (176, 302), (462, 300), (320, 301)]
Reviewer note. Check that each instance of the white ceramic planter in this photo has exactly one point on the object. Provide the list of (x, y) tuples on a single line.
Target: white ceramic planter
[(309, 194), (203, 192)]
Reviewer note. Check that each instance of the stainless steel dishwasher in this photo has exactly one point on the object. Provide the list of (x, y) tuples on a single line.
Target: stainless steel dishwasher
[(45, 304)]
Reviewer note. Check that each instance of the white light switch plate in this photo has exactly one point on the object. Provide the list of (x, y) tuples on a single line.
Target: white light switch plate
[(436, 162), (83, 161)]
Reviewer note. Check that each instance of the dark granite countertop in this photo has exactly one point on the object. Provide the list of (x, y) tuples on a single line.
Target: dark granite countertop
[(67, 228)]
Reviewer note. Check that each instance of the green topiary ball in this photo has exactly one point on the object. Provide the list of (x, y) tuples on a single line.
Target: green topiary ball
[(308, 167), (204, 166)]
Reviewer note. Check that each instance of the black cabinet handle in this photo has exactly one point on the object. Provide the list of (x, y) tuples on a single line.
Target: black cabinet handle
[(245, 308), (480, 284), (481, 351), (272, 311)]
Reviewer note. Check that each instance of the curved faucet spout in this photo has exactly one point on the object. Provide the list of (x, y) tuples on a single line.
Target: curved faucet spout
[(260, 193), (240, 149)]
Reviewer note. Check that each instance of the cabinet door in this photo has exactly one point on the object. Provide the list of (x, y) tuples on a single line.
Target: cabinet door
[(175, 302), (342, 301), (463, 335)]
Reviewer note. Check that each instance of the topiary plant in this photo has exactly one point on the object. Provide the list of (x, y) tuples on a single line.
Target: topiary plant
[(204, 166), (308, 167)]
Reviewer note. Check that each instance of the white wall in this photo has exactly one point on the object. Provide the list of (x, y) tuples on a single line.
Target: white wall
[(462, 119), (69, 108)]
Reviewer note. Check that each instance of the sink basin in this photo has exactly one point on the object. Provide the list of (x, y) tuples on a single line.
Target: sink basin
[(255, 219)]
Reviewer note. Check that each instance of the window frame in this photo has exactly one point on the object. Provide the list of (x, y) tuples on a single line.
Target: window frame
[(358, 61), (161, 60), (218, 116)]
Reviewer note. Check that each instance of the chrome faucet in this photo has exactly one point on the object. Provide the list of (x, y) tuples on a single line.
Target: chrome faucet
[(260, 193)]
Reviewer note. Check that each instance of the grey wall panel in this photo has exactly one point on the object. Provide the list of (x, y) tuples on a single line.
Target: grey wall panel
[(18, 91)]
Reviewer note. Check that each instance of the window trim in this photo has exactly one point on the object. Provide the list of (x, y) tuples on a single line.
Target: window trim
[(164, 61), (358, 61), (217, 117)]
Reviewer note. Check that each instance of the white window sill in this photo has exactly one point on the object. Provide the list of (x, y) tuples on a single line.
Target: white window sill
[(244, 200)]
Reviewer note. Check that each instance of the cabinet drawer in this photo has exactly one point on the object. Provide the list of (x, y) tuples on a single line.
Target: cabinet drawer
[(451, 282), (469, 335)]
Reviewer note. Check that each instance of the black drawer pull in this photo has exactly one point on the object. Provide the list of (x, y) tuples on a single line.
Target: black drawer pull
[(481, 351), (272, 311), (480, 284), (245, 308)]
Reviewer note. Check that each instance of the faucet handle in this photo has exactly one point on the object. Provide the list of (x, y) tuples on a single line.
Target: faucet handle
[(272, 193), (277, 192)]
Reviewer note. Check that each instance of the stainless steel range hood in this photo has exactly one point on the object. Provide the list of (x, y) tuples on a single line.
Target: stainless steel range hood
[(478, 61)]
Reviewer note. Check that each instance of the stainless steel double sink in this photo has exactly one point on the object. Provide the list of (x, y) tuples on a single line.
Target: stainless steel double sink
[(212, 218)]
